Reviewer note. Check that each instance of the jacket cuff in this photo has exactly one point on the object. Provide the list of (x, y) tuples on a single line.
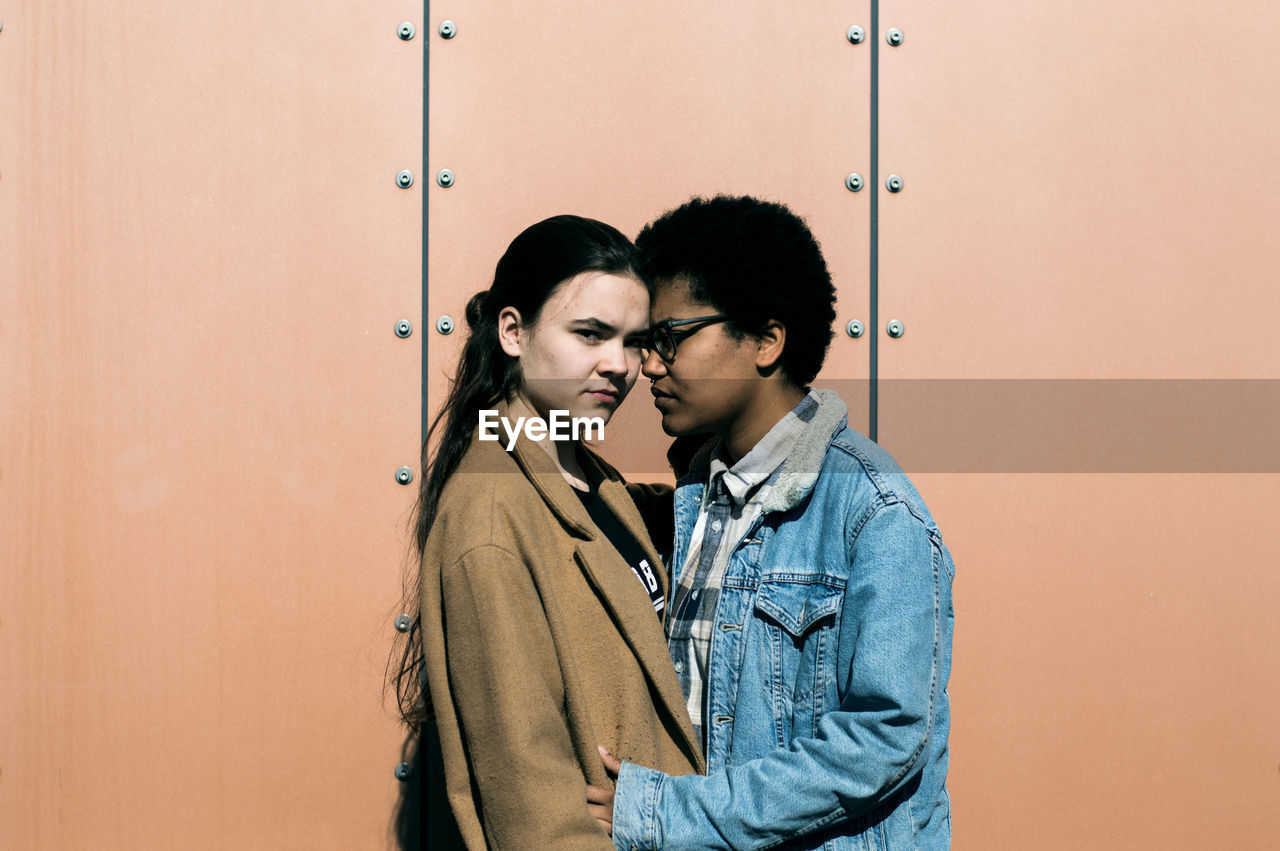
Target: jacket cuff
[(635, 808)]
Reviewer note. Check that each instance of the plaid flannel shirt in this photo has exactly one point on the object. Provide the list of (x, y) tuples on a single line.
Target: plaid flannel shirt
[(730, 505)]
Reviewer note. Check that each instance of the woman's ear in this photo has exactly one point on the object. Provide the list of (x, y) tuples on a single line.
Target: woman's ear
[(771, 343), (509, 331)]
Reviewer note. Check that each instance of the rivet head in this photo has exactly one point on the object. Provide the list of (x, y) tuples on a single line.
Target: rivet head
[(404, 475), (445, 325), (855, 34), (448, 29), (853, 182), (404, 179), (894, 36), (893, 183), (406, 30), (404, 771), (404, 328), (445, 178), (895, 329), (403, 623), (854, 329)]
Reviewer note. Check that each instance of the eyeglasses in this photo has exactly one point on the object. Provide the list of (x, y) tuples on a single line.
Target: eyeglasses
[(663, 340)]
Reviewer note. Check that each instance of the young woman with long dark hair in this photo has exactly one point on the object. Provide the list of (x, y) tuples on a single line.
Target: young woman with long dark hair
[(540, 592)]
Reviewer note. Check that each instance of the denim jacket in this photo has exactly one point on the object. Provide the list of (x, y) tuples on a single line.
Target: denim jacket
[(827, 697)]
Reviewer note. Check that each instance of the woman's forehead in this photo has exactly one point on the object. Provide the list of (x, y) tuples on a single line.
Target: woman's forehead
[(599, 295)]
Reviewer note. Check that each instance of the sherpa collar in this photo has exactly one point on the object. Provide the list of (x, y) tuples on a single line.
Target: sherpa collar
[(798, 473)]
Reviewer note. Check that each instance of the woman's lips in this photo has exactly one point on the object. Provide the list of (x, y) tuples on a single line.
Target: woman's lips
[(606, 396), (661, 400)]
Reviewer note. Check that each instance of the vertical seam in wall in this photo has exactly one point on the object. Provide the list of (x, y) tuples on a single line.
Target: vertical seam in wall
[(873, 326), (426, 194)]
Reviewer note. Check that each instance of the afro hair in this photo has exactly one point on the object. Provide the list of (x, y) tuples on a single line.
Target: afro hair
[(754, 261)]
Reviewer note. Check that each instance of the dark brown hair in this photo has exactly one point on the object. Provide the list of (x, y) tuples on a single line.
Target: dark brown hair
[(537, 262)]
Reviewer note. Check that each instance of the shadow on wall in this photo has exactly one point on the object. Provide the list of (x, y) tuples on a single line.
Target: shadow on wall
[(409, 819), (423, 810)]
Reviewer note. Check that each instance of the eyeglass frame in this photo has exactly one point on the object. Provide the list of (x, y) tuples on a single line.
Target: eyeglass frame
[(665, 326)]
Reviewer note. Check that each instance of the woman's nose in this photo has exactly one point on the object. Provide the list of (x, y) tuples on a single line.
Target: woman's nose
[(614, 360)]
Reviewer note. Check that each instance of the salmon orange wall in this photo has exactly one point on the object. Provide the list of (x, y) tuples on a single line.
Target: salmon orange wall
[(204, 402), (204, 405)]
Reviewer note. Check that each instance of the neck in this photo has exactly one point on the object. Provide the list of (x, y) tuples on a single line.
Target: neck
[(563, 453), (764, 412)]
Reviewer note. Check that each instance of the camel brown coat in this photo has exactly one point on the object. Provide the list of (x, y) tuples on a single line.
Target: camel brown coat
[(541, 644)]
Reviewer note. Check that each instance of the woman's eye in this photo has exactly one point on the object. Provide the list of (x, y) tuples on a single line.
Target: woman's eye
[(588, 334)]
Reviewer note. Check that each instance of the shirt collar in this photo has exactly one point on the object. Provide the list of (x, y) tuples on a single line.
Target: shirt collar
[(755, 468)]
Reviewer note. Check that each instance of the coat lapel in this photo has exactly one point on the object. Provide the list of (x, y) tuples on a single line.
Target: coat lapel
[(632, 611), (650, 645), (611, 578)]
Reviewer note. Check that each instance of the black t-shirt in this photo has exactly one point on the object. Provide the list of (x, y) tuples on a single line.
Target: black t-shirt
[(625, 544)]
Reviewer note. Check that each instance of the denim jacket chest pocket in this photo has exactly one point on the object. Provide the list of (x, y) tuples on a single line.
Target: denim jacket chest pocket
[(797, 615)]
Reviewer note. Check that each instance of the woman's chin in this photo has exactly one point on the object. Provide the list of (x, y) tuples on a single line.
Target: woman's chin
[(601, 411)]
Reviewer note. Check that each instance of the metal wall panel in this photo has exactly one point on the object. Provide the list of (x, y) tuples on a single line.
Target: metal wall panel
[(202, 406), (1089, 191), (619, 112), (1090, 194)]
